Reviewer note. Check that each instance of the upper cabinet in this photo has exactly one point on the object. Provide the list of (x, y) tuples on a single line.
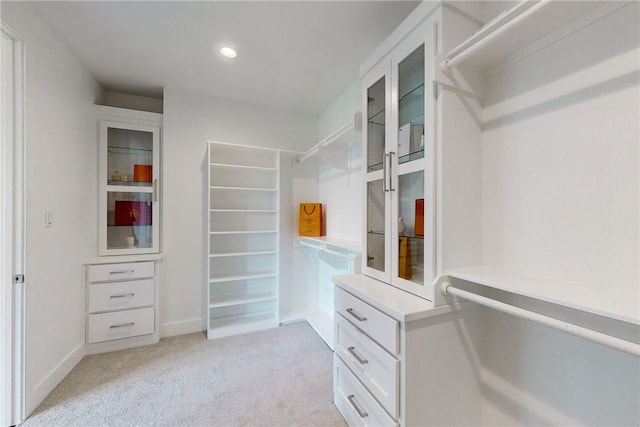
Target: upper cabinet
[(129, 181), (398, 148)]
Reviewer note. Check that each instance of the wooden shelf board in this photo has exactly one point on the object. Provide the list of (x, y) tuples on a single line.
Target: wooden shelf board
[(606, 303), (245, 232), (129, 189), (230, 254), (244, 210), (231, 325), (248, 299), (327, 241), (218, 187), (231, 166), (243, 277)]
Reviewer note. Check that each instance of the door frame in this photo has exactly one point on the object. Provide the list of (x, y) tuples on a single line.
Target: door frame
[(13, 226)]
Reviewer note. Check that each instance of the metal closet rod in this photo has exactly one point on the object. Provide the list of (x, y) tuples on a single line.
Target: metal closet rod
[(589, 334), (329, 251), (530, 7)]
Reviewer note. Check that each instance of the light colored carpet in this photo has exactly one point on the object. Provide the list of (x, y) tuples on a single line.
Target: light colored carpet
[(278, 377)]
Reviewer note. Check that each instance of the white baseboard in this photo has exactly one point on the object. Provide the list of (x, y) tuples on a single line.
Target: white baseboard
[(181, 328), (53, 378)]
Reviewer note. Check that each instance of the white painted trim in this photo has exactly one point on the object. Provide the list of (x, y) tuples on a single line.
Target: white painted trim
[(124, 114), (181, 328), (14, 342), (45, 386)]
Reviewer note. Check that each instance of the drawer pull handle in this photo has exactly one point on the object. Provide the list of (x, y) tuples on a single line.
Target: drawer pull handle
[(352, 400), (121, 325), (355, 314), (355, 354), (122, 295), (122, 272)]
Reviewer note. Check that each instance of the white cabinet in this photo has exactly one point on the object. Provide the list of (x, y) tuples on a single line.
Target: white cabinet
[(400, 361), (129, 180), (122, 304), (243, 230), (399, 154)]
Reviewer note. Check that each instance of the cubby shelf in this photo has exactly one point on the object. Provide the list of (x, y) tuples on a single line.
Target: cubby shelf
[(261, 168), (249, 299), (236, 324), (245, 232), (217, 187), (244, 210), (229, 254), (243, 277), (243, 257)]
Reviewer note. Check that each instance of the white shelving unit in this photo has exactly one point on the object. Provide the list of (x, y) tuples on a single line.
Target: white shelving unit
[(243, 235), (516, 33)]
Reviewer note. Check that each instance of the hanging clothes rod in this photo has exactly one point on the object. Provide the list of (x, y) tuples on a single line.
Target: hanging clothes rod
[(492, 31), (339, 254), (309, 245), (589, 334)]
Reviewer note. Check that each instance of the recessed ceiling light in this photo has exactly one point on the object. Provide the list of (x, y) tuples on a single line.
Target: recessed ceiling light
[(228, 52)]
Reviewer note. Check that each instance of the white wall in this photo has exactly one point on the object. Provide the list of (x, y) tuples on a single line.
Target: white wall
[(341, 191), (189, 121), (560, 160), (61, 178)]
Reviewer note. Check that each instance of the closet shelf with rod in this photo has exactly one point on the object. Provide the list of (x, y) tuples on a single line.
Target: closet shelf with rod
[(334, 147), (604, 303), (526, 28), (528, 22)]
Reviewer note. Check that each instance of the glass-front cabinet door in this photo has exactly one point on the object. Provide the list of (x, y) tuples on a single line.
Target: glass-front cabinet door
[(408, 206), (377, 262), (398, 150), (129, 200)]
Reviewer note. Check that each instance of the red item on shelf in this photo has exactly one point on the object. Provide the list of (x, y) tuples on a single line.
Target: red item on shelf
[(142, 173), (132, 213), (420, 217)]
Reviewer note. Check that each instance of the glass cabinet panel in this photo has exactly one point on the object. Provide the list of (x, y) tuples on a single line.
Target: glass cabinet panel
[(376, 225), (129, 157), (129, 220), (129, 185), (411, 107), (376, 125), (411, 227)]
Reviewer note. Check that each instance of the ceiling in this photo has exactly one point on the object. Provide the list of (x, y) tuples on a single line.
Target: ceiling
[(294, 55)]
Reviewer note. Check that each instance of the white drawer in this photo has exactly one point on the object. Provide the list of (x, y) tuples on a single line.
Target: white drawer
[(382, 328), (120, 324), (374, 367), (353, 400), (121, 295), (114, 272)]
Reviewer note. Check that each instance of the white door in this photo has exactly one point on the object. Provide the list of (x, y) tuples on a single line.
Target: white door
[(12, 295)]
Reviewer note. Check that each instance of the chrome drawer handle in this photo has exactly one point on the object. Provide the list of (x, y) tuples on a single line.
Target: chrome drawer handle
[(355, 314), (352, 400), (122, 295), (122, 272), (122, 325), (355, 354)]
